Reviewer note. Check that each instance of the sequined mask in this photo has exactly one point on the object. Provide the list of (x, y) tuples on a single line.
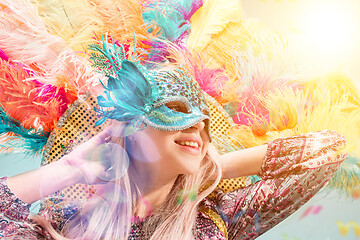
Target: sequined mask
[(178, 87), (141, 97)]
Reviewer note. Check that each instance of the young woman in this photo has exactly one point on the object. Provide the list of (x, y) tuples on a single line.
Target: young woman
[(145, 164), (155, 168)]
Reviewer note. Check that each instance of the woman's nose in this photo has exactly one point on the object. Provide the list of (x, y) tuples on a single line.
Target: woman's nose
[(200, 125)]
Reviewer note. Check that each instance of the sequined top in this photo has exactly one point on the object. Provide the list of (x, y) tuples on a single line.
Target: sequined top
[(294, 169)]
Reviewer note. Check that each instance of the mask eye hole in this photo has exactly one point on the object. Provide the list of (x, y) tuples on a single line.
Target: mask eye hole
[(177, 106)]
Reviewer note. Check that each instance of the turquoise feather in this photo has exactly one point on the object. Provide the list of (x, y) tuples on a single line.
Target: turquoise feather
[(26, 139), (173, 17), (130, 91), (347, 177)]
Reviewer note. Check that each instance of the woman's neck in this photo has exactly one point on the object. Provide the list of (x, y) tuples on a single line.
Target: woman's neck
[(154, 196)]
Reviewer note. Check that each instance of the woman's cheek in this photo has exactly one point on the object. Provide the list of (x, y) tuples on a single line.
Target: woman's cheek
[(145, 149)]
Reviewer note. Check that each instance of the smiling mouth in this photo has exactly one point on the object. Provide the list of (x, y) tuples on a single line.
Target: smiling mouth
[(188, 144)]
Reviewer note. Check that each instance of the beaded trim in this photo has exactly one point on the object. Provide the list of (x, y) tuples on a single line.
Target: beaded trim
[(174, 128), (172, 99)]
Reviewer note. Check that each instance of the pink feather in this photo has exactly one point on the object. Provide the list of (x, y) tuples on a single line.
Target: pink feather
[(23, 36), (3, 55), (251, 111), (210, 80)]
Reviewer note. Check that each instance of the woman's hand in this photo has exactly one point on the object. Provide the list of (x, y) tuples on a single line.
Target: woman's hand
[(88, 163), (93, 159)]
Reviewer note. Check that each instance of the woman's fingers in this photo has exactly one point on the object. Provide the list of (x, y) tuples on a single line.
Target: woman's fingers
[(109, 134), (100, 138), (96, 157), (92, 143)]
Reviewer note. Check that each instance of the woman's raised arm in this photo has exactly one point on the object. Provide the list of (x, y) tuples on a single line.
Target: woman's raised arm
[(244, 162), (33, 185), (293, 170), (76, 167)]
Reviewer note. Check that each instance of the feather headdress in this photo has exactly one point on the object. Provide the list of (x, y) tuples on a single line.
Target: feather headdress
[(244, 65)]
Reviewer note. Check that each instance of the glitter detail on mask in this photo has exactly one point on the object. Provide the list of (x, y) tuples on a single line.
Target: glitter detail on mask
[(163, 117), (180, 83)]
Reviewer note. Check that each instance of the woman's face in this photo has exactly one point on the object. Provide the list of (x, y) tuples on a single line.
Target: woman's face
[(176, 152)]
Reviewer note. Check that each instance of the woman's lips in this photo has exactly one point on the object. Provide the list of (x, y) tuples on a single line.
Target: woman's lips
[(189, 143), (189, 146)]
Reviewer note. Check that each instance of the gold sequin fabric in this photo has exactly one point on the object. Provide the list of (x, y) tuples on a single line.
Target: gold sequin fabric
[(76, 126)]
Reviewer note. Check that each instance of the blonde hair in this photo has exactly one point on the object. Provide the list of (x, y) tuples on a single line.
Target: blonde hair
[(110, 218)]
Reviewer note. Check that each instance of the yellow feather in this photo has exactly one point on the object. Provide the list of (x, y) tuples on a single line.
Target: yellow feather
[(79, 21), (211, 19), (219, 51), (323, 104), (248, 43), (67, 19), (285, 108), (338, 85), (246, 137)]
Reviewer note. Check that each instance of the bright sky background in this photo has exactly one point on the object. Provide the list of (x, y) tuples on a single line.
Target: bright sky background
[(327, 31)]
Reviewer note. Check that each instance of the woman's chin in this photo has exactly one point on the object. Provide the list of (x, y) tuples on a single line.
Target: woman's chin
[(191, 169)]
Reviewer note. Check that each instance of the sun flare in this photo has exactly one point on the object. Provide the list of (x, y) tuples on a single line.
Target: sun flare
[(329, 27), (330, 31)]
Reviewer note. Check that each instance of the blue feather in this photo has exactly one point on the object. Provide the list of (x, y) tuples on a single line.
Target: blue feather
[(173, 17), (347, 177), (129, 89), (130, 72), (31, 140)]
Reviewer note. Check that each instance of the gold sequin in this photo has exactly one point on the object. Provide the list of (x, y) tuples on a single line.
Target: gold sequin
[(76, 127), (216, 219)]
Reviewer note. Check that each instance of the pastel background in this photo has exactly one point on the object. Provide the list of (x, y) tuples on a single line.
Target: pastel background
[(328, 32)]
